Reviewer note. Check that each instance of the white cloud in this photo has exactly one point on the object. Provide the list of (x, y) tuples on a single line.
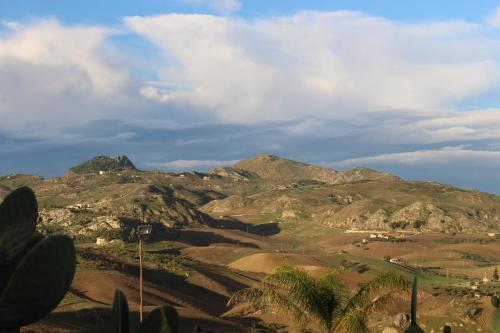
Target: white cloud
[(445, 155), (448, 126), (328, 75), (75, 49), (12, 25), (154, 93), (326, 64), (192, 164), (494, 19), (58, 75)]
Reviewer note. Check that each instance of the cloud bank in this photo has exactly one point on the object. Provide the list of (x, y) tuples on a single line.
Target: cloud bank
[(320, 64), (335, 88)]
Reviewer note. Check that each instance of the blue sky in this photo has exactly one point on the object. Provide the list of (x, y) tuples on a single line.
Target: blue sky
[(411, 88), (111, 11)]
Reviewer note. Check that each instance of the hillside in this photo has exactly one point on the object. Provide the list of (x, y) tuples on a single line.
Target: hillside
[(269, 188), (274, 168), (217, 232), (105, 164)]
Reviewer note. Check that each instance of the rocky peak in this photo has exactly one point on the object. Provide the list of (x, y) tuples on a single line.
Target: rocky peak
[(103, 163)]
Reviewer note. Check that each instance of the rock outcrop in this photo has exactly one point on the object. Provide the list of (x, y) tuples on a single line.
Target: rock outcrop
[(103, 164)]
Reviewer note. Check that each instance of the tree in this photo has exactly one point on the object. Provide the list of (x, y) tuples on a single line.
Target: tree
[(322, 301), (495, 274)]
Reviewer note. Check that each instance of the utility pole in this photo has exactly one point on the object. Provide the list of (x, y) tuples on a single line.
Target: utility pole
[(143, 232), (141, 249)]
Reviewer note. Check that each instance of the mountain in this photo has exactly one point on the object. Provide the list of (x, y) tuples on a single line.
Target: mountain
[(268, 188), (279, 169), (229, 172), (105, 164)]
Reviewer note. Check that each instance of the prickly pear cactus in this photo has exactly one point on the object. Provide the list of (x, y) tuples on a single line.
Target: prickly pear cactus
[(495, 318), (18, 218), (161, 320), (120, 319), (36, 272)]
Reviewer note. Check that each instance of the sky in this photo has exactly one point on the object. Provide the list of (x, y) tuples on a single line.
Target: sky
[(406, 87)]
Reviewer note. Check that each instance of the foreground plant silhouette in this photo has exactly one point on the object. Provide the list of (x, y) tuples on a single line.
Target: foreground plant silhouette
[(163, 319), (414, 328), (322, 301), (495, 318), (36, 271)]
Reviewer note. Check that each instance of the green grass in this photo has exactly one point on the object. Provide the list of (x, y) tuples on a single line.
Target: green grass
[(425, 279)]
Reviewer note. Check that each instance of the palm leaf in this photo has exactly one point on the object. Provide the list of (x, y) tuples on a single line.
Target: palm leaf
[(384, 283), (318, 298), (270, 300), (321, 301), (354, 320), (373, 296)]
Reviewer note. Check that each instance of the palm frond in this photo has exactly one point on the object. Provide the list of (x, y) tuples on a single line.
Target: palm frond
[(384, 283), (353, 320), (322, 301), (317, 298), (331, 281), (380, 303), (270, 300)]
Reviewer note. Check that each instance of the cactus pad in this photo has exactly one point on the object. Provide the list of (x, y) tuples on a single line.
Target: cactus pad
[(18, 218), (38, 283)]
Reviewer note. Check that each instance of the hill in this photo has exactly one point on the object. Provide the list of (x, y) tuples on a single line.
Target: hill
[(274, 168), (279, 169), (217, 232), (266, 190), (105, 164)]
